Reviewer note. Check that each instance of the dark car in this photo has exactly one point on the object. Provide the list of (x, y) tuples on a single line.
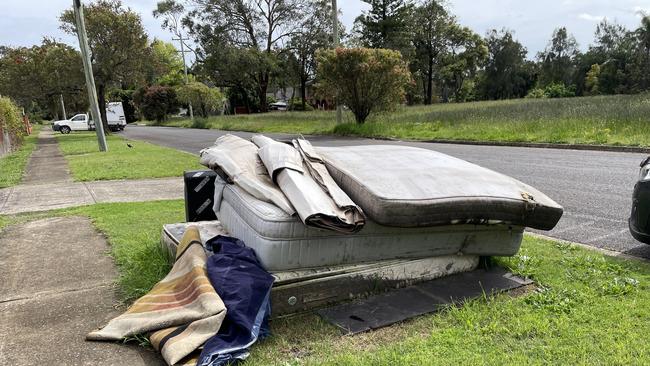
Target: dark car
[(640, 217)]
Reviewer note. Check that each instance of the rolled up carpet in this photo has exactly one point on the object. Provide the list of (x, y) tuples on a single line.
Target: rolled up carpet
[(306, 183)]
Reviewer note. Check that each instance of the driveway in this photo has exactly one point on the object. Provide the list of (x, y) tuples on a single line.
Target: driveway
[(594, 187)]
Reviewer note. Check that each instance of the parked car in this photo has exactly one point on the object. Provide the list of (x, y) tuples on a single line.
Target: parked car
[(81, 122), (640, 217), (278, 106)]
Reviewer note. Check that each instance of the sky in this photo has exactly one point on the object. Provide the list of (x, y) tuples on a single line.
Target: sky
[(26, 22)]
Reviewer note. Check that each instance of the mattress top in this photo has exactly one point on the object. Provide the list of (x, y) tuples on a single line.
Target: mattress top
[(408, 186)]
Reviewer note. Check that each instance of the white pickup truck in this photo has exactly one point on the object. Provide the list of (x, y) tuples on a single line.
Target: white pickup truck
[(81, 122)]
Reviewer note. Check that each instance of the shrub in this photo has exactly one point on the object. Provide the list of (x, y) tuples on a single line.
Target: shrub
[(366, 80), (156, 102), (555, 90), (295, 104), (205, 100), (11, 121), (559, 90), (536, 93)]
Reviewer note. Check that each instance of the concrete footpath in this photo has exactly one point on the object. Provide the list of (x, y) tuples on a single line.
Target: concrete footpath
[(58, 285), (57, 281), (48, 185)]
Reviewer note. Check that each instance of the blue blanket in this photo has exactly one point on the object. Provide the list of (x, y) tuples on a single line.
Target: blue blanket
[(245, 288)]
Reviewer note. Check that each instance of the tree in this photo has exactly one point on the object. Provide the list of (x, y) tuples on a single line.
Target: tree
[(386, 25), (118, 44), (252, 31), (39, 75), (557, 60), (507, 74), (591, 80), (312, 35), (156, 102), (204, 98), (430, 40), (641, 67), (465, 53), (165, 67), (366, 80)]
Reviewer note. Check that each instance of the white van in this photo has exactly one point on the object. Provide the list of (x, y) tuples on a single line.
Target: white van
[(80, 122)]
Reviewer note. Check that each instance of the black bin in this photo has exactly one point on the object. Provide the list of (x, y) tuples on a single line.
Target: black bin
[(199, 195)]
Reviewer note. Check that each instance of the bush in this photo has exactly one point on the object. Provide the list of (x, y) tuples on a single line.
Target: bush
[(366, 80), (555, 90), (536, 93), (559, 90), (11, 121), (295, 104), (205, 100), (156, 102)]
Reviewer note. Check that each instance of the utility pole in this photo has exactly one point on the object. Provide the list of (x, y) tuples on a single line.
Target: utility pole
[(181, 39), (337, 43), (88, 70), (62, 106)]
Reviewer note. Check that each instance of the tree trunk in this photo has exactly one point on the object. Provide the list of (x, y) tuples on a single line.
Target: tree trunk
[(429, 87), (101, 100), (263, 87), (303, 92)]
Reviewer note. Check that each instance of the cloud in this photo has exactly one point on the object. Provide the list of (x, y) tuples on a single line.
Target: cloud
[(591, 18)]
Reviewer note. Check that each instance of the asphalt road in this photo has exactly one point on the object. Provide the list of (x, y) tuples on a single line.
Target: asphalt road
[(594, 187)]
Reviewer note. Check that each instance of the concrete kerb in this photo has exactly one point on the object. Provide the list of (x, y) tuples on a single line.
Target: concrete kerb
[(538, 145), (607, 252)]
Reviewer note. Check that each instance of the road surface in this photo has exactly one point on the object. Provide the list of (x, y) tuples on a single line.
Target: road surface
[(594, 187)]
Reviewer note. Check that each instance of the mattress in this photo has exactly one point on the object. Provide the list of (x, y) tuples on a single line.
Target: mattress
[(410, 187), (283, 242)]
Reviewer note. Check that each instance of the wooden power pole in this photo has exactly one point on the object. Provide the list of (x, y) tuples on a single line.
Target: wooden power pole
[(181, 39), (88, 70), (337, 43)]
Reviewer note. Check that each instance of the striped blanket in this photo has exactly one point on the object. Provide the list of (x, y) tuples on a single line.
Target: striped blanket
[(180, 313)]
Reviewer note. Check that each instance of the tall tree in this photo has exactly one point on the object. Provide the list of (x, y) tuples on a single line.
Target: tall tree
[(118, 44), (165, 66), (430, 39), (642, 62), (387, 24), (506, 73), (40, 75), (313, 34), (465, 53), (557, 60), (248, 31)]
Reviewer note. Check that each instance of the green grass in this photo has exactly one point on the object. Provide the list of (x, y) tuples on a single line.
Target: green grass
[(606, 120), (12, 166), (144, 160), (587, 308)]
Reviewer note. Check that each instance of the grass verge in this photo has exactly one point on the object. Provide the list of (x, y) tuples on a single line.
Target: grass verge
[(142, 160), (602, 120), (587, 309), (12, 166)]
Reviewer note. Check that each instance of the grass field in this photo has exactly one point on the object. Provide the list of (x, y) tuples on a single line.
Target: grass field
[(587, 308), (609, 120), (12, 166), (143, 160)]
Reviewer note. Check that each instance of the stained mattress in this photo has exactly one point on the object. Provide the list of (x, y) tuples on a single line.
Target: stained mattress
[(411, 187), (283, 242)]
